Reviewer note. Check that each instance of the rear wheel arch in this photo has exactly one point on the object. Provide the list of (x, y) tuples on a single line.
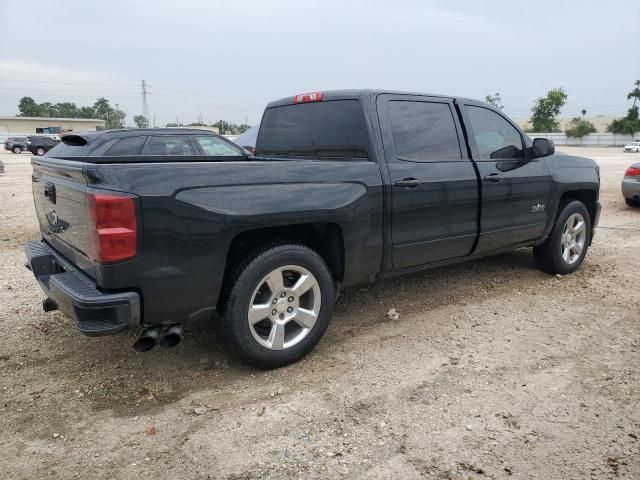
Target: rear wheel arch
[(325, 238)]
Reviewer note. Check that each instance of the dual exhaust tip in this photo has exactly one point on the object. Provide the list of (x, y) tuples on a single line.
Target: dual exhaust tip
[(165, 337)]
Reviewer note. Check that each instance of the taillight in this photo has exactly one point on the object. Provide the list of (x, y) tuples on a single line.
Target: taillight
[(114, 227), (632, 172), (252, 150), (308, 97)]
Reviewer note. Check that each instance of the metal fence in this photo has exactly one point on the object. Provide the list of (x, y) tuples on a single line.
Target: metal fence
[(592, 139)]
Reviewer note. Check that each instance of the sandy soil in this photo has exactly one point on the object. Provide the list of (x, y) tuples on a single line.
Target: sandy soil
[(493, 370)]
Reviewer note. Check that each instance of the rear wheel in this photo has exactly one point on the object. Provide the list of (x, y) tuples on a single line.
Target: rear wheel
[(16, 150), (631, 203), (566, 247), (278, 305), (40, 151)]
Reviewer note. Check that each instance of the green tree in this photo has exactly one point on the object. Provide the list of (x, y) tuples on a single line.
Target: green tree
[(86, 112), (546, 109), (47, 110), (113, 118), (635, 93), (66, 110), (29, 108), (630, 124), (627, 125), (579, 127), (140, 121), (494, 100)]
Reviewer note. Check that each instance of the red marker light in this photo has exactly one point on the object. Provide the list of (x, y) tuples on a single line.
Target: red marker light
[(308, 97)]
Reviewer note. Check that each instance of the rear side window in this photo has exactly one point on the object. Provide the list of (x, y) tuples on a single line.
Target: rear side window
[(170, 145), (127, 147), (216, 146), (423, 131), (333, 129), (495, 137)]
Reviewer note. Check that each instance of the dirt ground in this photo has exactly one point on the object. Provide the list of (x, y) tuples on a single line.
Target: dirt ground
[(493, 370)]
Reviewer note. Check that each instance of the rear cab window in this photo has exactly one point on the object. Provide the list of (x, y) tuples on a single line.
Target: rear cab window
[(423, 131), (332, 129)]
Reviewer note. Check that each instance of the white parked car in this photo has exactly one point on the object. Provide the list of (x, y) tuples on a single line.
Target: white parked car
[(632, 147)]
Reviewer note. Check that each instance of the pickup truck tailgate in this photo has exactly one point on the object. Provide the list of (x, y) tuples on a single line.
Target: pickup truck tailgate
[(59, 194)]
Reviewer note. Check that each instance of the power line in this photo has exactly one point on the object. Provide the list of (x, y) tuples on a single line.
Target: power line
[(202, 95), (198, 103), (145, 105), (65, 82)]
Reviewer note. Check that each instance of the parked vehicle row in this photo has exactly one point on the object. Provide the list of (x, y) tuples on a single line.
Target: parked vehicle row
[(16, 144), (36, 144), (345, 187), (632, 147)]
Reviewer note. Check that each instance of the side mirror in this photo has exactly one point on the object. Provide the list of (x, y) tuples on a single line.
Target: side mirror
[(543, 147)]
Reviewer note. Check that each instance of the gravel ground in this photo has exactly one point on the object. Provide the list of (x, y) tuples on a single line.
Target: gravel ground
[(493, 370)]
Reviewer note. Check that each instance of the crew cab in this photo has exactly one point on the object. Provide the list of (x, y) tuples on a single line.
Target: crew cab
[(145, 229)]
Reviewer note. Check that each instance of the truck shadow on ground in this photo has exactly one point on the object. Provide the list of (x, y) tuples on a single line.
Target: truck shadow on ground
[(129, 384)]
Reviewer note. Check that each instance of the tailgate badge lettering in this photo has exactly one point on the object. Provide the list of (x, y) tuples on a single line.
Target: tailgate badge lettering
[(55, 224)]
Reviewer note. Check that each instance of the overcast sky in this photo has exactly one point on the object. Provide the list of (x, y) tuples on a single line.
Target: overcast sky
[(227, 59)]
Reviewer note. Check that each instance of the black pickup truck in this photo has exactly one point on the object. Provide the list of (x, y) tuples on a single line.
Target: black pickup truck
[(145, 229)]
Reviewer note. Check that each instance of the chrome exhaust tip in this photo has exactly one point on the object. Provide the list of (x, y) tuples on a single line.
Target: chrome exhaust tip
[(171, 337), (147, 339)]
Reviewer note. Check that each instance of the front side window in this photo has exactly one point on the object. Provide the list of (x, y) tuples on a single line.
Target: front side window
[(216, 146), (495, 137), (423, 131), (127, 147), (332, 129), (170, 145)]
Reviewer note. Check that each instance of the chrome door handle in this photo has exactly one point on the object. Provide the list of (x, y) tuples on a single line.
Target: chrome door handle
[(408, 182), (494, 177)]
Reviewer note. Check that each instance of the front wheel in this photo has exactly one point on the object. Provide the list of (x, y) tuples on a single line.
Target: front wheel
[(566, 247), (40, 151), (17, 150), (278, 305)]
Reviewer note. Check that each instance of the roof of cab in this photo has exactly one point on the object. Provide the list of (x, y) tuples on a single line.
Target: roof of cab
[(328, 95)]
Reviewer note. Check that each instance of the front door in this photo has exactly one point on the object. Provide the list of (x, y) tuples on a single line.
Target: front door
[(514, 188), (434, 186)]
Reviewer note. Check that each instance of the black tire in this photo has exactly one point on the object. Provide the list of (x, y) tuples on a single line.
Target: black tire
[(548, 256), (16, 150), (40, 151), (232, 324), (631, 203)]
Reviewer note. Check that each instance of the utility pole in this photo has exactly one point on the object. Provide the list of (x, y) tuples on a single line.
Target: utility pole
[(145, 105), (118, 116), (154, 120)]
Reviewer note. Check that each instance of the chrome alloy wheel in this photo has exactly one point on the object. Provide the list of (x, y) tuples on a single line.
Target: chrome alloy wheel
[(574, 236), (284, 307)]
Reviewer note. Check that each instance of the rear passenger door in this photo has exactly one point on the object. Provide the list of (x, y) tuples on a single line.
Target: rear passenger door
[(434, 186)]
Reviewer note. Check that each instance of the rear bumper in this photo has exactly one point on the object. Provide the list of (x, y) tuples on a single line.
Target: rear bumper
[(75, 295), (630, 189)]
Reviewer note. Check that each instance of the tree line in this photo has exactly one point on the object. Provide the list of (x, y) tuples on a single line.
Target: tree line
[(545, 111), (102, 110)]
